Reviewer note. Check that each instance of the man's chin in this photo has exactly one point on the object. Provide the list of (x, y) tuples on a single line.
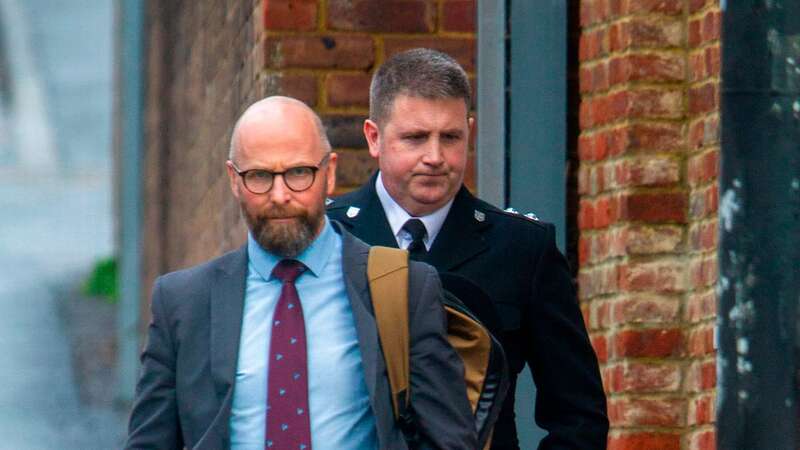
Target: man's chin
[(434, 190), (432, 198)]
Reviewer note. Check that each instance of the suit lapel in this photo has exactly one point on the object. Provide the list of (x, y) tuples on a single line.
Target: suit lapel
[(227, 305), (370, 222), (354, 267), (461, 236)]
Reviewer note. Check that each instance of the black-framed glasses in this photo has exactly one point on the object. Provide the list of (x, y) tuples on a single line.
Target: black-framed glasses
[(297, 179)]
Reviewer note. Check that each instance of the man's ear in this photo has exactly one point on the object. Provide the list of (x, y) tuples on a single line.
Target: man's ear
[(331, 173), (373, 134), (233, 177)]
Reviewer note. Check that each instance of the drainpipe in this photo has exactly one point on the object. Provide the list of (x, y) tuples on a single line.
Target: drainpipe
[(130, 106), (759, 215)]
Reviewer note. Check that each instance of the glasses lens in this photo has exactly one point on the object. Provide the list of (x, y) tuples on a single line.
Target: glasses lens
[(299, 178), (258, 181)]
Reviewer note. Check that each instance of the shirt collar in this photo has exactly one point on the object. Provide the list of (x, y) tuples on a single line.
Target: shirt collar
[(315, 256), (397, 216)]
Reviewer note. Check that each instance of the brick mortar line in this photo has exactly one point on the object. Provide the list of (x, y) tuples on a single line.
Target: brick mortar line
[(632, 295), (619, 431), (651, 396), (695, 254), (675, 188), (707, 115), (702, 12), (339, 110), (617, 227), (701, 187), (638, 256), (657, 361), (616, 297), (366, 33), (700, 324), (380, 51), (711, 79), (677, 50), (315, 71), (615, 20), (322, 15), (704, 45), (635, 51), (627, 157), (633, 87), (628, 121)]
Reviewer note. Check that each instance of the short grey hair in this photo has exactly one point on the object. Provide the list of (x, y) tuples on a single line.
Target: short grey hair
[(419, 72)]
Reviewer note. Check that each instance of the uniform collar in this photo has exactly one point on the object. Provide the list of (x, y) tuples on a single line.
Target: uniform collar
[(315, 256), (397, 216)]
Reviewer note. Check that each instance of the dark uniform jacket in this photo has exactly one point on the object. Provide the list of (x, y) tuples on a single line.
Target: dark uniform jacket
[(515, 260)]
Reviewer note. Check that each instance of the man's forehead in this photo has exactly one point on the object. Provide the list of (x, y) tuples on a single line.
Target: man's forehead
[(287, 144), (274, 126), (450, 112)]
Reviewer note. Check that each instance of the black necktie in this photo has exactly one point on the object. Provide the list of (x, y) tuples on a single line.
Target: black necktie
[(416, 229)]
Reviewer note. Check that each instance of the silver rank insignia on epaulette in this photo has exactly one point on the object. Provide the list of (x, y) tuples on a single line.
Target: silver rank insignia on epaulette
[(529, 215), (352, 211), (328, 201), (480, 216)]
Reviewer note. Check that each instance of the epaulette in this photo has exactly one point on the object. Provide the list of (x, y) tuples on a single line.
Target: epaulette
[(531, 217)]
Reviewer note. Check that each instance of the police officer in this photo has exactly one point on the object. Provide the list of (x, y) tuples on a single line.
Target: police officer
[(418, 130)]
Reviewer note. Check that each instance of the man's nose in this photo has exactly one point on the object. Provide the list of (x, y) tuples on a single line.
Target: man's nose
[(280, 193), (433, 152)]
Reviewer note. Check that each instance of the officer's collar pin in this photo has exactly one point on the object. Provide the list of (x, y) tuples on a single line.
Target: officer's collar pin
[(352, 211), (328, 201), (480, 216)]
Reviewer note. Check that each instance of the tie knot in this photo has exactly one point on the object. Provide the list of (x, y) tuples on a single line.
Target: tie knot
[(416, 229), (287, 270)]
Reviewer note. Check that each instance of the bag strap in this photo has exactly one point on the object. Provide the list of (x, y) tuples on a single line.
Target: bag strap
[(387, 272)]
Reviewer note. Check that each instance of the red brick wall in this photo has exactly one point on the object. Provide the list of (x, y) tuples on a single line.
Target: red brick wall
[(324, 52), (207, 60), (648, 149)]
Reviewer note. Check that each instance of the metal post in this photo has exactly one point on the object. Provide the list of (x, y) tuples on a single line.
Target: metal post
[(759, 252), (130, 21), (537, 110), (491, 140)]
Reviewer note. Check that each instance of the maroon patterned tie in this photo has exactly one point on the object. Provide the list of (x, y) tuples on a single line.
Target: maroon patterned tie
[(288, 423)]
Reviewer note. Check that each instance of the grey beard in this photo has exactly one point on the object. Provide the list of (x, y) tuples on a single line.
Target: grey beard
[(284, 240)]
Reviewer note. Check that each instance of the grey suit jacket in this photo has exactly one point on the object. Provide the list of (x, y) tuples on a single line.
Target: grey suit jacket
[(185, 390)]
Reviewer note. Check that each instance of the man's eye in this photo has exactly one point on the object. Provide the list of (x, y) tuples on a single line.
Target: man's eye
[(451, 137), (298, 171), (259, 175), (416, 137)]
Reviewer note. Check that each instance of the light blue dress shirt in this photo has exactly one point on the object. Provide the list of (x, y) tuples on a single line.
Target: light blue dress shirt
[(341, 416)]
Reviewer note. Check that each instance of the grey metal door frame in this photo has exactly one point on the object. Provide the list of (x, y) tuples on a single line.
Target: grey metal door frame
[(522, 120)]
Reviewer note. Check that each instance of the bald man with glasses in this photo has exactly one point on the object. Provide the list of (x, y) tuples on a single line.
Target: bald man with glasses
[(274, 345)]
